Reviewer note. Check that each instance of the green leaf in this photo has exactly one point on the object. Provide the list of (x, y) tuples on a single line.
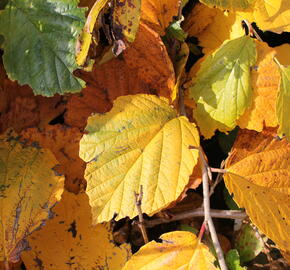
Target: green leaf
[(140, 142), (126, 19), (174, 30), (40, 42), (222, 89), (249, 243), (283, 103), (230, 4), (233, 260)]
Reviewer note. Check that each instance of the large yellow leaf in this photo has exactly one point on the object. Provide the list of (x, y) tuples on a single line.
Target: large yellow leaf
[(30, 186), (178, 251), (70, 241), (159, 13), (258, 173), (283, 102), (265, 80), (222, 88), (273, 15), (141, 141)]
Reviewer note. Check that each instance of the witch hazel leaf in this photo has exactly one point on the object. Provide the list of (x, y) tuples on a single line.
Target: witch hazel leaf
[(177, 250), (40, 42), (71, 235), (140, 142), (258, 177), (283, 101), (30, 186), (222, 88)]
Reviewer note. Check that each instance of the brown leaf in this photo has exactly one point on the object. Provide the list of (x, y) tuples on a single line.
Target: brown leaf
[(64, 143)]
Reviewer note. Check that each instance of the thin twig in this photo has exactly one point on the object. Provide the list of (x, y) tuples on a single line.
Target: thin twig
[(218, 170), (207, 214), (252, 31), (218, 179), (138, 203), (198, 212)]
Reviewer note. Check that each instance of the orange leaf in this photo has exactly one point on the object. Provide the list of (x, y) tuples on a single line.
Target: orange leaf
[(265, 81), (258, 173), (158, 13), (64, 144)]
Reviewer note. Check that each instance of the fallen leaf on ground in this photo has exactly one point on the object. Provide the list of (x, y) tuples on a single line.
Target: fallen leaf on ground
[(258, 172), (69, 241), (141, 141), (30, 186), (63, 142), (178, 250)]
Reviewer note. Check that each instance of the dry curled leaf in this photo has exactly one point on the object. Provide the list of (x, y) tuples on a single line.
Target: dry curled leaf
[(69, 241)]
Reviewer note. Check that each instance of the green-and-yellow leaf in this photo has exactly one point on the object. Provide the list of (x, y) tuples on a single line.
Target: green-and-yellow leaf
[(179, 250), (141, 141), (283, 103), (29, 187), (222, 89)]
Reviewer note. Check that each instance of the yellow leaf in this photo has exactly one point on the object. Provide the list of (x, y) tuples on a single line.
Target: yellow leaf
[(283, 102), (199, 18), (258, 173), (273, 15), (30, 186), (126, 18), (141, 141), (181, 59), (265, 80), (63, 142), (230, 4), (178, 251), (85, 39), (69, 241), (225, 25), (159, 13)]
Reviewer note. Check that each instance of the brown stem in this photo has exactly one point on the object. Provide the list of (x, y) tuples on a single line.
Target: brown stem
[(198, 212), (218, 170), (207, 214), (138, 203)]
